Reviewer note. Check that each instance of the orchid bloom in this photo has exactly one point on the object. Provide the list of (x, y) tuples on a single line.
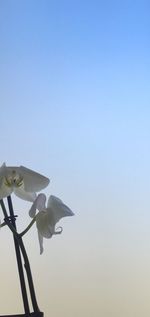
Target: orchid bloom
[(47, 217), (22, 181)]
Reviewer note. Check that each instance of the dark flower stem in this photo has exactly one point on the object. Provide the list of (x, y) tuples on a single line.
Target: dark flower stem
[(19, 246), (26, 262), (18, 257)]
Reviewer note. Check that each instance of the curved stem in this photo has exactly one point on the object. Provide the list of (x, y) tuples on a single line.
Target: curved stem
[(28, 227), (3, 224)]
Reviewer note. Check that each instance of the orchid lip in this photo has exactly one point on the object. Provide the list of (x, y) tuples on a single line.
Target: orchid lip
[(13, 181)]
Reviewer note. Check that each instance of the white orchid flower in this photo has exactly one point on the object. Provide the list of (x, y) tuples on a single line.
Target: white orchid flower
[(47, 217), (22, 181)]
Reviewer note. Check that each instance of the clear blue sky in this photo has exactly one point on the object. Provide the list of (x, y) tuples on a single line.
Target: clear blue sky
[(75, 106)]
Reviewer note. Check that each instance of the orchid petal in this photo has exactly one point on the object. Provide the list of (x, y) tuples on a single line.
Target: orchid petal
[(43, 226), (2, 173), (40, 242), (33, 182), (39, 204), (2, 170), (5, 190), (21, 193), (57, 209)]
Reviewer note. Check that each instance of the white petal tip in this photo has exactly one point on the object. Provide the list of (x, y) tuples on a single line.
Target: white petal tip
[(41, 251)]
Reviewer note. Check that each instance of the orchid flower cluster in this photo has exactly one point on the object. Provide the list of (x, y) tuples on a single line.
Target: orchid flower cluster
[(25, 184)]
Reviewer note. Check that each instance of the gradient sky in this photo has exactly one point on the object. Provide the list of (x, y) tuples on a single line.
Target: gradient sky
[(75, 106)]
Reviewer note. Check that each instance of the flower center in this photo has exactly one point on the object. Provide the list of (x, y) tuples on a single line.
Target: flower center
[(13, 180)]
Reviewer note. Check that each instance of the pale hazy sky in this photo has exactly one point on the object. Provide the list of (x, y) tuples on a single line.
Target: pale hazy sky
[(75, 106)]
